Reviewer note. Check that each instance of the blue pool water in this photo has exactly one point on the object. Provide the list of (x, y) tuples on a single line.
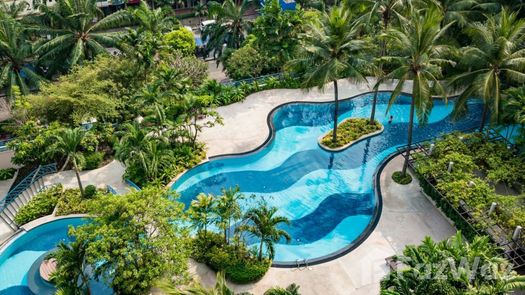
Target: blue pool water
[(18, 256), (329, 197)]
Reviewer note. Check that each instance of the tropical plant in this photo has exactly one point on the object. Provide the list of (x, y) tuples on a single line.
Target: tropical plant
[(134, 139), (71, 275), (292, 289), (245, 62), (68, 143), (228, 210), (263, 224), (200, 212), (419, 57), (494, 59), (134, 239), (16, 54), (230, 28), (73, 34), (331, 50), (13, 9), (182, 40), (453, 266), (220, 288)]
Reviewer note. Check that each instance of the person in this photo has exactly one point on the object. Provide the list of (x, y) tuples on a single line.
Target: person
[(391, 119)]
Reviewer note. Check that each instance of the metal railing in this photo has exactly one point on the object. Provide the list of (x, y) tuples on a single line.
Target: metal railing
[(10, 204)]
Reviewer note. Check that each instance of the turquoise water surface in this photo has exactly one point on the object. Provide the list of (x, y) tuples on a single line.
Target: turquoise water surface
[(329, 197)]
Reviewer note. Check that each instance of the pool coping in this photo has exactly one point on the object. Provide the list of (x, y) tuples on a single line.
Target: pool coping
[(377, 190)]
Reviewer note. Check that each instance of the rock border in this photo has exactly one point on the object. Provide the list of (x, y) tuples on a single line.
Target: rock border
[(344, 147)]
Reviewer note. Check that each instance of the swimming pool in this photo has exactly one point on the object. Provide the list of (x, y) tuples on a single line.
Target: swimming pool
[(328, 196), (17, 257)]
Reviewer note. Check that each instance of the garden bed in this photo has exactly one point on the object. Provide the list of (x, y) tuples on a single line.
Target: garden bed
[(350, 131)]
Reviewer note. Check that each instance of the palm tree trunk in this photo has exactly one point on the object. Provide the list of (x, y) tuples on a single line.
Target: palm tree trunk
[(483, 117), (65, 164), (409, 143), (374, 103), (78, 178), (336, 111), (260, 249)]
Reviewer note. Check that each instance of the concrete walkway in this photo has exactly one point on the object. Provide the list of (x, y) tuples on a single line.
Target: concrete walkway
[(110, 174)]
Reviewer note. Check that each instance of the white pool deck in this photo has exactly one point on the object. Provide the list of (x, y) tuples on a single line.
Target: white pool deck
[(407, 215)]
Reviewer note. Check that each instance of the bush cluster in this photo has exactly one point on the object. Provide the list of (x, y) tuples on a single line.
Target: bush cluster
[(401, 178), (238, 263), (41, 204), (350, 130), (93, 160), (7, 173), (479, 166)]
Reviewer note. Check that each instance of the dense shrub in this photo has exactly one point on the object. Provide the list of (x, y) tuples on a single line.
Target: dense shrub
[(70, 202), (93, 160), (7, 173), (41, 204), (350, 130), (401, 178), (245, 62), (182, 40), (90, 191), (238, 264)]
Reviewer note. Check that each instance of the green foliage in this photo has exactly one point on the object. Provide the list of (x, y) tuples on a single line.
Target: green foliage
[(401, 178), (71, 275), (90, 191), (292, 289), (84, 93), (31, 143), (350, 130), (41, 204), (235, 260), (72, 202), (479, 165), (182, 40), (93, 160), (133, 239), (7, 173), (452, 267), (245, 62)]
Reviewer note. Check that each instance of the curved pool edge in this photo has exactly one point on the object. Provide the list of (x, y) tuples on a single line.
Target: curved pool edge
[(34, 224), (271, 129), (362, 237)]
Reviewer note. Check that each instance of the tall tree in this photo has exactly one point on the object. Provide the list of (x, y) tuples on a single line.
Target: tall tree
[(200, 212), (71, 275), (418, 58), (16, 55), (495, 58), (76, 30), (263, 224), (331, 50), (68, 143), (228, 210), (134, 239), (230, 28)]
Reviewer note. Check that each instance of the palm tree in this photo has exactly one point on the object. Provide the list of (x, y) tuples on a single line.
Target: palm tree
[(330, 51), (418, 58), (71, 275), (68, 143), (16, 54), (262, 223), (228, 210), (156, 20), (200, 212), (73, 34), (460, 12), (134, 139), (495, 58), (230, 28), (478, 269), (153, 159)]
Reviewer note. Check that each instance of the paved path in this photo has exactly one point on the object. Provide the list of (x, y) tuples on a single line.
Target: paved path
[(407, 215), (109, 174)]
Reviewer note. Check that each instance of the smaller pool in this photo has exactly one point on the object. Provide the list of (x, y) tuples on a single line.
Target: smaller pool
[(18, 255)]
